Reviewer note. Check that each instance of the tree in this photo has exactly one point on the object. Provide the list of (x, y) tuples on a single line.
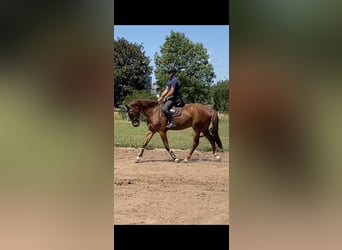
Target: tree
[(131, 69), (191, 61), (142, 94), (220, 95)]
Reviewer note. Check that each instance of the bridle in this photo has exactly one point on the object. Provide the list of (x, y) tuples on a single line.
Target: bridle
[(129, 112)]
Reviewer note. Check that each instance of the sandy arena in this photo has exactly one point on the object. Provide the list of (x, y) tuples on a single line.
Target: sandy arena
[(160, 191)]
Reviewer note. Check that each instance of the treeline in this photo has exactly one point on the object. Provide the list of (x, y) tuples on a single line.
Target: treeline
[(132, 72)]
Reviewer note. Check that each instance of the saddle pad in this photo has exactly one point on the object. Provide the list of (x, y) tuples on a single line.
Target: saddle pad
[(176, 111)]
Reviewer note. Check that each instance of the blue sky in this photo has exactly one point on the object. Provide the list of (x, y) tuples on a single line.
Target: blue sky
[(215, 38)]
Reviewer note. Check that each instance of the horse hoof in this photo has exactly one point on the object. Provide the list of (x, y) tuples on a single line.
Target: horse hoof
[(218, 157), (137, 160), (177, 160), (186, 160)]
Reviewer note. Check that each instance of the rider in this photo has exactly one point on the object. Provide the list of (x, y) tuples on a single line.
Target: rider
[(169, 96)]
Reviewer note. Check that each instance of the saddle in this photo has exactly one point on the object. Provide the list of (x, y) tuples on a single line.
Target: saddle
[(176, 110)]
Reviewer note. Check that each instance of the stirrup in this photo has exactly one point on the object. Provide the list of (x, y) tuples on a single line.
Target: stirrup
[(171, 125)]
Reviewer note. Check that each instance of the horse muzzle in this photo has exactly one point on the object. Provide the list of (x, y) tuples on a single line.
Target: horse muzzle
[(135, 123)]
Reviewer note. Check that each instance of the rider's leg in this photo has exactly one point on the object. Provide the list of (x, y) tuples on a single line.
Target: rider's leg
[(167, 106)]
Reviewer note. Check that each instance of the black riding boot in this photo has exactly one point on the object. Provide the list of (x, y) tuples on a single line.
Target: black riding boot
[(171, 122)]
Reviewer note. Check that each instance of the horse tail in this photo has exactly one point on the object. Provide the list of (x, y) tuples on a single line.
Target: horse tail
[(214, 129)]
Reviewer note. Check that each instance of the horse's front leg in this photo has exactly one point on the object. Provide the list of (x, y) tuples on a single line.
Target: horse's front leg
[(148, 138), (166, 145)]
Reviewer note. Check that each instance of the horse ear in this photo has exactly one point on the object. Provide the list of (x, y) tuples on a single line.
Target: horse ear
[(126, 107)]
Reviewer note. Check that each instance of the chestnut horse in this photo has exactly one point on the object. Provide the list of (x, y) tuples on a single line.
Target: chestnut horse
[(195, 115)]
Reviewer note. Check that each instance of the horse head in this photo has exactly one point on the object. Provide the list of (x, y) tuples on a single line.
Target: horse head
[(132, 114)]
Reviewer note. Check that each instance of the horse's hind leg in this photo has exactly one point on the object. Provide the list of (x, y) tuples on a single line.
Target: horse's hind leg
[(166, 146), (197, 133), (148, 138), (211, 139)]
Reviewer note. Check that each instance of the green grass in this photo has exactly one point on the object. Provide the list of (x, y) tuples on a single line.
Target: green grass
[(125, 135)]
